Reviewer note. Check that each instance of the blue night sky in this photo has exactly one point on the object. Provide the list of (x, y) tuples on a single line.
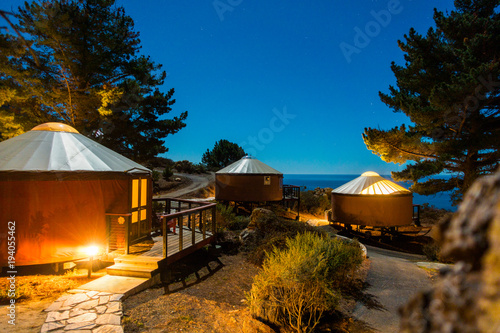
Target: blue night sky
[(272, 76)]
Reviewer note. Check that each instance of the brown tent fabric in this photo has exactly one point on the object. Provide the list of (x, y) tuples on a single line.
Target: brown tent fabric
[(56, 219)]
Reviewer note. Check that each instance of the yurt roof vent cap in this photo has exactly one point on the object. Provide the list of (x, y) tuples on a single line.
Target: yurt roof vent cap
[(370, 174), (55, 127), (248, 165)]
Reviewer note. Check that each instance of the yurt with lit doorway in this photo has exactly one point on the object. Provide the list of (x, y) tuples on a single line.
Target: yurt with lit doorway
[(61, 192), (371, 200), (248, 180)]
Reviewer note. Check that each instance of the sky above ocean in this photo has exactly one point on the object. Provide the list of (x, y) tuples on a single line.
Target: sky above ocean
[(309, 182), (293, 82)]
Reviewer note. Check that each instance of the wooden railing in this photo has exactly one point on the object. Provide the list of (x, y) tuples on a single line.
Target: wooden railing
[(291, 192), (197, 217)]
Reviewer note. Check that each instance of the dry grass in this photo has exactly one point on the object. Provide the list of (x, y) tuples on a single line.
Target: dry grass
[(43, 287), (215, 304)]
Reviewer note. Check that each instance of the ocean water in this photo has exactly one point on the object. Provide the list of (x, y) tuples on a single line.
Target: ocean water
[(310, 182)]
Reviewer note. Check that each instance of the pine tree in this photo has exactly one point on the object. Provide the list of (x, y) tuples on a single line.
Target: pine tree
[(223, 154), (83, 68), (449, 89)]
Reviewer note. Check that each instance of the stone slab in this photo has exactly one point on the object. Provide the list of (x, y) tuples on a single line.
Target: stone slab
[(117, 284)]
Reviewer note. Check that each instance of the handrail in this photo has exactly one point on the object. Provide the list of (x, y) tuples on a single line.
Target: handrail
[(187, 211), (179, 215)]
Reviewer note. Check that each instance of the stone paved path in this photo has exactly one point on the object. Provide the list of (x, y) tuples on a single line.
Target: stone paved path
[(85, 311)]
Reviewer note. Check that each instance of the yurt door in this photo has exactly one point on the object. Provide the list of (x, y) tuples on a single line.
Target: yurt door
[(139, 226)]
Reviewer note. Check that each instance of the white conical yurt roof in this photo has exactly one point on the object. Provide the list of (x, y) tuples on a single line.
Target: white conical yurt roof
[(370, 183), (59, 147), (248, 165)]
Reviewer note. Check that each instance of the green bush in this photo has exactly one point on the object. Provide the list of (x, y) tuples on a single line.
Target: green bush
[(313, 203), (225, 217), (240, 223), (298, 284), (167, 173), (199, 168), (184, 166), (274, 235), (156, 178)]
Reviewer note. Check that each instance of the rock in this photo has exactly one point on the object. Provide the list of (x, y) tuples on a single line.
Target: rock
[(247, 235), (108, 319), (262, 218), (108, 329), (260, 221), (50, 326), (75, 299), (466, 298)]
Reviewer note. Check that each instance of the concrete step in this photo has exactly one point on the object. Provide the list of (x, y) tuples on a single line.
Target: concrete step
[(125, 269), (138, 260), (127, 286)]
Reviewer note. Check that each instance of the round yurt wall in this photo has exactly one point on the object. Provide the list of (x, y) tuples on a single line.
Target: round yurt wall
[(372, 200), (57, 186), (248, 180)]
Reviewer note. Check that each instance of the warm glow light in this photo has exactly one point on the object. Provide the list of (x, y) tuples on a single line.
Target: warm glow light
[(384, 187), (92, 250)]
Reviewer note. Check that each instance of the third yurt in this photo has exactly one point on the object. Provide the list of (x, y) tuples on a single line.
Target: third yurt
[(248, 180), (371, 200)]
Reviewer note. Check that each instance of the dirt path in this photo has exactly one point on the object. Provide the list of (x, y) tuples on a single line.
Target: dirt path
[(394, 278), (197, 182)]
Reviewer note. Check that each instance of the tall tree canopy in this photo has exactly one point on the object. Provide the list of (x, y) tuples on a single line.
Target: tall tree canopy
[(83, 68), (223, 154), (449, 88)]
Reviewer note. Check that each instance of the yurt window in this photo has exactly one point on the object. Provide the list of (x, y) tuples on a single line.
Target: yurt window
[(139, 207), (267, 180)]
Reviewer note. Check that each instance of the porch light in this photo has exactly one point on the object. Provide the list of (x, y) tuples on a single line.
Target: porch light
[(91, 251)]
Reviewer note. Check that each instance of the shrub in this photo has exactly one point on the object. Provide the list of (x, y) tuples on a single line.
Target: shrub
[(432, 251), (199, 168), (184, 166), (156, 179), (167, 173), (225, 217), (313, 203), (430, 215), (274, 235), (298, 284)]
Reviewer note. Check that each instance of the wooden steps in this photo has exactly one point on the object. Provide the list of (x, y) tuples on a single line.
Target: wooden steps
[(135, 266)]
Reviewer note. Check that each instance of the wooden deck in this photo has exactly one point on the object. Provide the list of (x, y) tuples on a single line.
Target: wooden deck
[(174, 250), (194, 223)]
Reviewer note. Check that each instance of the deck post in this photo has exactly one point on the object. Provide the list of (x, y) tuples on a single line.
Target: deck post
[(193, 229), (202, 225), (167, 206), (127, 234), (165, 238), (189, 218), (180, 222), (214, 217)]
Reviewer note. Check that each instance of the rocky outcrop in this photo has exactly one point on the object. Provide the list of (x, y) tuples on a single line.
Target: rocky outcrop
[(466, 298), (260, 220)]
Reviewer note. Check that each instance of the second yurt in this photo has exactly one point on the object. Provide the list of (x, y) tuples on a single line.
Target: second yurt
[(371, 200), (248, 180)]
